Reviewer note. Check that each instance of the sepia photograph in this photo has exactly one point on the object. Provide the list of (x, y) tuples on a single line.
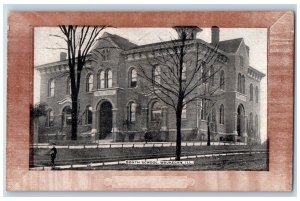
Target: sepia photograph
[(174, 98), (198, 101)]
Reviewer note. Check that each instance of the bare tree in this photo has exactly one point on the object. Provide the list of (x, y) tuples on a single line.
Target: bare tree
[(182, 71), (79, 42)]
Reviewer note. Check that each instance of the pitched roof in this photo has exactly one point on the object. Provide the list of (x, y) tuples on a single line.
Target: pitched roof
[(121, 42), (230, 46)]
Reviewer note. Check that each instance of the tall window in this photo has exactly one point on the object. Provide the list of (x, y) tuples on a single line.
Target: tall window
[(184, 72), (51, 86), (203, 108), (222, 80), (131, 112), (89, 83), (243, 84), (132, 78), (251, 92), (183, 114), (256, 124), (256, 94), (239, 88), (213, 115), (155, 111), (68, 86), (241, 61), (221, 114), (212, 76), (66, 116), (105, 54), (251, 122), (88, 115), (100, 79), (108, 79), (50, 118), (156, 75)]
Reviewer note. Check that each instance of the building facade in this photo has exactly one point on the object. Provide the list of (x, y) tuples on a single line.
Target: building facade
[(113, 102)]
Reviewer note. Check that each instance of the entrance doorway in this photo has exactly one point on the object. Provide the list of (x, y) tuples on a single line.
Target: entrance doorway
[(105, 119)]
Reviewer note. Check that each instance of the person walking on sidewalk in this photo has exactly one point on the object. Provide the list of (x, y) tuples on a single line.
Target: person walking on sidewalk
[(53, 153)]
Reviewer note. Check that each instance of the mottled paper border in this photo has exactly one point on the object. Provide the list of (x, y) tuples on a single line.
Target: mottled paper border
[(20, 70)]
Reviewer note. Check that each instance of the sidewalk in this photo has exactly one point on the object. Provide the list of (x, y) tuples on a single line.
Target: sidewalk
[(107, 144)]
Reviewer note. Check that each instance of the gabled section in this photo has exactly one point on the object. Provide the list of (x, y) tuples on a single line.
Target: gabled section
[(230, 46), (115, 40)]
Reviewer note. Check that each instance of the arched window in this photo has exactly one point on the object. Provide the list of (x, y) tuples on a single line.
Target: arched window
[(132, 78), (256, 94), (88, 115), (184, 72), (50, 118), (251, 92), (243, 84), (204, 73), (183, 114), (51, 86), (222, 114), (156, 75), (212, 76), (241, 61), (131, 112), (100, 79), (69, 86), (251, 123), (239, 86), (256, 124), (66, 116), (89, 82), (222, 80), (108, 79), (155, 111)]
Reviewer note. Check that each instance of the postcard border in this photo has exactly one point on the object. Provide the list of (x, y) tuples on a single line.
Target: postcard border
[(280, 25)]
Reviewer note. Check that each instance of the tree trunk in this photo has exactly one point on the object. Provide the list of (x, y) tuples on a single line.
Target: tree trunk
[(208, 133), (178, 136), (74, 117)]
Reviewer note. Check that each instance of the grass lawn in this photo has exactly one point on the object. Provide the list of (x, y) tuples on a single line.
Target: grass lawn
[(41, 156)]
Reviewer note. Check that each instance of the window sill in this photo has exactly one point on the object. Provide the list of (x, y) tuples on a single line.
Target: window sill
[(102, 89), (133, 87)]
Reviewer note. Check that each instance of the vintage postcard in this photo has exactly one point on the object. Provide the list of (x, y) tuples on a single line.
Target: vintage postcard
[(150, 98), (125, 105)]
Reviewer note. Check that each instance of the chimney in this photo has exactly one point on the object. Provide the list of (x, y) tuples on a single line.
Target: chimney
[(187, 32), (63, 56), (215, 35)]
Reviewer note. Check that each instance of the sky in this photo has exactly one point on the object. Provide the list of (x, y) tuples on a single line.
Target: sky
[(255, 38)]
